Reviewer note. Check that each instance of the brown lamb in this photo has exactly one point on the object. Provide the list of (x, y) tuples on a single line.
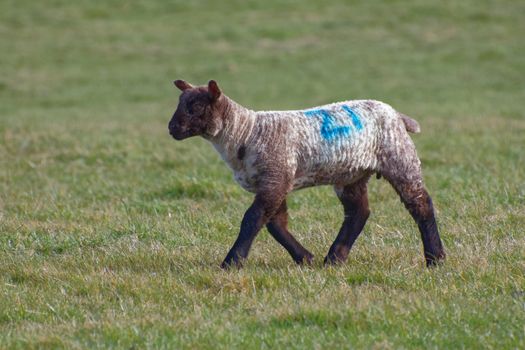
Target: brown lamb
[(275, 152)]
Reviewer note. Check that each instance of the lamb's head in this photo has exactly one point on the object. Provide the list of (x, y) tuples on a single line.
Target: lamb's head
[(200, 111)]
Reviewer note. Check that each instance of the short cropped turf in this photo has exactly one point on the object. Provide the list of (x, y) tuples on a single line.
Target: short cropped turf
[(112, 233)]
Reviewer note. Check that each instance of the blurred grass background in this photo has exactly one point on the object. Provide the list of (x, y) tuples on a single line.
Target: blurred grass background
[(111, 233)]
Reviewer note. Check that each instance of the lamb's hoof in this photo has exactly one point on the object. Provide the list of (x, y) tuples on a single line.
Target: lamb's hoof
[(433, 261), (334, 259), (307, 259), (230, 263), (337, 255)]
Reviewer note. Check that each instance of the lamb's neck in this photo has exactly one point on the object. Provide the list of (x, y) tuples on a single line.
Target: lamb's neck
[(237, 126)]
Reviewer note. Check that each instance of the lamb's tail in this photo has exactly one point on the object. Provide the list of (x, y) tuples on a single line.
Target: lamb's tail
[(410, 124)]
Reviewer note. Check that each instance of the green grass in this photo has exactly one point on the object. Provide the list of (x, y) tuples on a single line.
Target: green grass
[(111, 233)]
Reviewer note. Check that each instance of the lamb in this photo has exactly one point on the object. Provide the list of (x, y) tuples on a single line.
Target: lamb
[(273, 153)]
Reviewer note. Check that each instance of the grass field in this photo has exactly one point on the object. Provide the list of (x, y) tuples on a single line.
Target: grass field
[(111, 233)]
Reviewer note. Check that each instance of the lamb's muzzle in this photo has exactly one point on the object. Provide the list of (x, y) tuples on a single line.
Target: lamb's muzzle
[(275, 152)]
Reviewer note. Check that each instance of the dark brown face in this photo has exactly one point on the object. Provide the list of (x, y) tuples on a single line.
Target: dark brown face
[(195, 112)]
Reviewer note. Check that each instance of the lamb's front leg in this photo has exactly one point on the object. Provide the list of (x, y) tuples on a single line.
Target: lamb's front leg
[(264, 207), (278, 228)]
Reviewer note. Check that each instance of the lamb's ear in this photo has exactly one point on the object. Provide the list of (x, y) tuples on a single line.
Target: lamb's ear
[(213, 90), (182, 85)]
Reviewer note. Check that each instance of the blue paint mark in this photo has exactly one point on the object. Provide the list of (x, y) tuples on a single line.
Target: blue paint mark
[(355, 118), (331, 131), (315, 112)]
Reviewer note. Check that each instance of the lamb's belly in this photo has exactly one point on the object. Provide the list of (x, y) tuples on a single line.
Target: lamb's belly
[(330, 171), (326, 178), (343, 169)]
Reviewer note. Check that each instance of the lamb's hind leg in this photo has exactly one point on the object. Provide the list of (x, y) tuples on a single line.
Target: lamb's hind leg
[(418, 202), (278, 228), (355, 202)]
